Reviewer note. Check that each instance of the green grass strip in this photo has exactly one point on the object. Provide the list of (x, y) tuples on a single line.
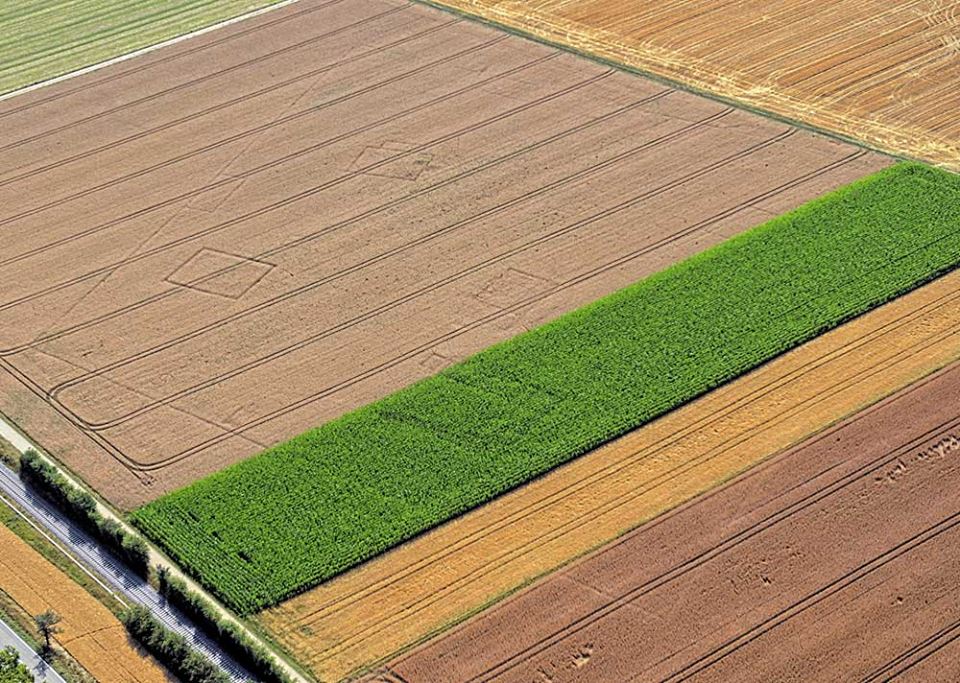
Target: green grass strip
[(40, 39), (301, 512)]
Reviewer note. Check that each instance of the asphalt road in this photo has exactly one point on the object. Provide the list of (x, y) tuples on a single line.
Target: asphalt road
[(128, 586), (42, 672)]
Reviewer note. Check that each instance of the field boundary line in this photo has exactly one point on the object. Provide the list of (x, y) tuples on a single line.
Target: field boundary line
[(144, 50)]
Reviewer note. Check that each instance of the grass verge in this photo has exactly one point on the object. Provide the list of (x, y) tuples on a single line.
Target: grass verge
[(305, 510)]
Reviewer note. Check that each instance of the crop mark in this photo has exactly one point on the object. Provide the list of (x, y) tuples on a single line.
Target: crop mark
[(511, 284), (376, 210), (906, 320), (244, 273), (202, 150), (210, 201), (408, 168), (292, 199)]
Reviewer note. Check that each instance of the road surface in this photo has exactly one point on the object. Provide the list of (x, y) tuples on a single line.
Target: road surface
[(42, 672)]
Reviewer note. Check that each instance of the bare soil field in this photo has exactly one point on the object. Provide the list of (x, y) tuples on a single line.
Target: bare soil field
[(880, 71), (441, 577), (223, 243), (92, 635), (836, 560)]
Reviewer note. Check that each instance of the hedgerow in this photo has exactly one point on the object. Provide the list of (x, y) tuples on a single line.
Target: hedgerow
[(251, 655), (82, 507), (172, 649), (305, 510)]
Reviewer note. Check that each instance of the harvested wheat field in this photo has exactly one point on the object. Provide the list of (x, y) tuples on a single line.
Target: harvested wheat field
[(836, 560), (218, 245), (90, 632), (445, 575), (884, 72)]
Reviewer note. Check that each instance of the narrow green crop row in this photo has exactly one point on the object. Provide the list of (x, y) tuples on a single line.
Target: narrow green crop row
[(41, 39), (284, 521)]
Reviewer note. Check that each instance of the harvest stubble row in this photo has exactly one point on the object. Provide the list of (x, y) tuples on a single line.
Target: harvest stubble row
[(884, 73)]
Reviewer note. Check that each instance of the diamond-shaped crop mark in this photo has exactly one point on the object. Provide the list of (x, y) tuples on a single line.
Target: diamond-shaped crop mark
[(219, 273), (407, 166)]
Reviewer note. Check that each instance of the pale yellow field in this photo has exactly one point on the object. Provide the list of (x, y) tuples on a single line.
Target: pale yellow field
[(407, 594), (886, 72), (90, 632)]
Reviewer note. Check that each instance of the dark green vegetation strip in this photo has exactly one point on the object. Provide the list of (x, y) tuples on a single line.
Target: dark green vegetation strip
[(272, 526), (41, 39)]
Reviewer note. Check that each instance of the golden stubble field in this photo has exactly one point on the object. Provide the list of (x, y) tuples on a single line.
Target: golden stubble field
[(89, 631), (885, 72), (439, 578)]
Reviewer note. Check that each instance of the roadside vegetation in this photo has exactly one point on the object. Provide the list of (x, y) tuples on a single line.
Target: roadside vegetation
[(167, 646), (171, 648), (82, 507), (11, 669), (232, 639), (358, 485)]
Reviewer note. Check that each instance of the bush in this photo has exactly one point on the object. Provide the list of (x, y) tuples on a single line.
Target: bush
[(82, 507), (171, 648), (232, 639)]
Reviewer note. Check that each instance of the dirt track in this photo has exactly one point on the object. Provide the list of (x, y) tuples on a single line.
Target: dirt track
[(224, 243), (885, 72), (835, 561), (410, 592)]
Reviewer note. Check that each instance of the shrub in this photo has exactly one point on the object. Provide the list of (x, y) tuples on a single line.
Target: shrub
[(232, 639), (171, 648), (82, 507)]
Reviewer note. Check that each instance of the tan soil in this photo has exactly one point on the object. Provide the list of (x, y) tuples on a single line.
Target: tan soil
[(219, 246), (428, 583), (836, 560), (886, 72), (89, 631)]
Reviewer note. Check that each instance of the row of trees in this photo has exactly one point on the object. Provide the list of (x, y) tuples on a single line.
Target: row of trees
[(168, 647), (82, 507)]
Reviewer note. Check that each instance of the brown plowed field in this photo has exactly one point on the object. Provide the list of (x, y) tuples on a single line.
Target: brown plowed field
[(836, 560), (89, 631), (225, 243), (432, 581), (886, 72)]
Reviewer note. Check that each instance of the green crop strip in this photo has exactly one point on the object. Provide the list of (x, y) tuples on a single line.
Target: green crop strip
[(299, 513), (42, 39)]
